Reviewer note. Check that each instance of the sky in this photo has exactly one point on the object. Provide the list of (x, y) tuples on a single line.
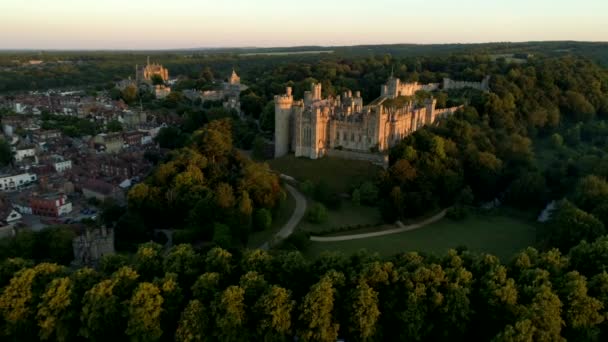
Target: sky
[(172, 24)]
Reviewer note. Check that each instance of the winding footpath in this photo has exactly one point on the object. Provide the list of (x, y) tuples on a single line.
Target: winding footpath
[(295, 218), (401, 229)]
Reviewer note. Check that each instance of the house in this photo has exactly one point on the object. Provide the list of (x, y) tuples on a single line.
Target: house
[(100, 190), (53, 205), (133, 138), (24, 152), (8, 214), (40, 135), (15, 182), (109, 143), (60, 164)]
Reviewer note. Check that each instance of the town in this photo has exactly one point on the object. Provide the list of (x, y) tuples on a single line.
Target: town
[(61, 176)]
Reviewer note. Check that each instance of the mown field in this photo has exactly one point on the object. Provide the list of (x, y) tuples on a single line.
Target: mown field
[(499, 235)]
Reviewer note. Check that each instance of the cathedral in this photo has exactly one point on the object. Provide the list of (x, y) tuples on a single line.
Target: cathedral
[(146, 73), (315, 126)]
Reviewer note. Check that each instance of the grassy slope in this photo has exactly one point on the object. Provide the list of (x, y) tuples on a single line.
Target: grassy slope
[(339, 174), (499, 235), (347, 215)]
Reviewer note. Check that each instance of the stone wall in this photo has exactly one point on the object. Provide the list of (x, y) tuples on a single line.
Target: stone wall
[(375, 158)]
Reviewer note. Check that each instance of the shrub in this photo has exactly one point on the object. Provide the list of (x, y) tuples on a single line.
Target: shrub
[(356, 197), (317, 213), (185, 236), (262, 219), (457, 213), (369, 193), (307, 187)]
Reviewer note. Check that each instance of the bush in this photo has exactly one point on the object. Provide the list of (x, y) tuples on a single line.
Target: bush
[(297, 241), (160, 238), (185, 236), (457, 213), (262, 219), (317, 213), (307, 187), (356, 197), (221, 235), (557, 140), (369, 193)]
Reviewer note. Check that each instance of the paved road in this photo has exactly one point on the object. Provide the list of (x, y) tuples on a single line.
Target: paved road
[(401, 229), (295, 218)]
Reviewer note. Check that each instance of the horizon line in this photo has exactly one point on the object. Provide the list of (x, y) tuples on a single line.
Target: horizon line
[(291, 46)]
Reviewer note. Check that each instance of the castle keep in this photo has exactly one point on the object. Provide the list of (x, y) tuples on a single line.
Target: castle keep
[(315, 126)]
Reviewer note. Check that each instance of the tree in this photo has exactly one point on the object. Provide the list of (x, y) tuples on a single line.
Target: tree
[(317, 321), (274, 308), (590, 192), (114, 126), (183, 260), (6, 155), (369, 193), (252, 104), (144, 313), (576, 105), (157, 80), (193, 325), (230, 315), (148, 260), (259, 148), (170, 137), (262, 219), (317, 213), (20, 298), (267, 117), (129, 94), (102, 307), (364, 312), (57, 310), (582, 312), (571, 225)]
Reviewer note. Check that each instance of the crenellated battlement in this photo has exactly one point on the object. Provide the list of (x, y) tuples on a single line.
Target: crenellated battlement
[(313, 125)]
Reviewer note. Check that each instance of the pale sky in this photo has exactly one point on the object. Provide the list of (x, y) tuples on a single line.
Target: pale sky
[(167, 24)]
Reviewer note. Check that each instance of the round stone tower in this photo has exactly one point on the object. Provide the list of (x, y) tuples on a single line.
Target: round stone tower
[(282, 115)]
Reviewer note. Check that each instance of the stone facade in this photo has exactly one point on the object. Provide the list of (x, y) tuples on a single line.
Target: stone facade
[(315, 125), (146, 73), (92, 244)]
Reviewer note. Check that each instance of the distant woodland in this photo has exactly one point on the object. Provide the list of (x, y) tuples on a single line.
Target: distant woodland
[(538, 136)]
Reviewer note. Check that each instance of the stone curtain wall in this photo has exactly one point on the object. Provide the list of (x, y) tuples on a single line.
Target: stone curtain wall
[(376, 158)]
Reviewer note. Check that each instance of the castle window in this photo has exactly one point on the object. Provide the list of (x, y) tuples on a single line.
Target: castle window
[(352, 137)]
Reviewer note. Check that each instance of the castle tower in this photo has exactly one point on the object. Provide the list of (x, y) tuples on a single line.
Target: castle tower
[(316, 91), (282, 118)]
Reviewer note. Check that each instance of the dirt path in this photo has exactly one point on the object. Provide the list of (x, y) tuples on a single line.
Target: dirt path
[(295, 218), (402, 228)]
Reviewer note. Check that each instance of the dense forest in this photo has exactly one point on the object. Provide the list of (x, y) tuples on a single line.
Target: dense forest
[(100, 69), (259, 296), (538, 136)]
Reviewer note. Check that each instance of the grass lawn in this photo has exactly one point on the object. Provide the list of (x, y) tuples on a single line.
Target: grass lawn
[(339, 174), (500, 235), (256, 239), (348, 215)]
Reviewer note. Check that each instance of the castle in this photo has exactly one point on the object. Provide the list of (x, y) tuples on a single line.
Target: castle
[(342, 126)]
